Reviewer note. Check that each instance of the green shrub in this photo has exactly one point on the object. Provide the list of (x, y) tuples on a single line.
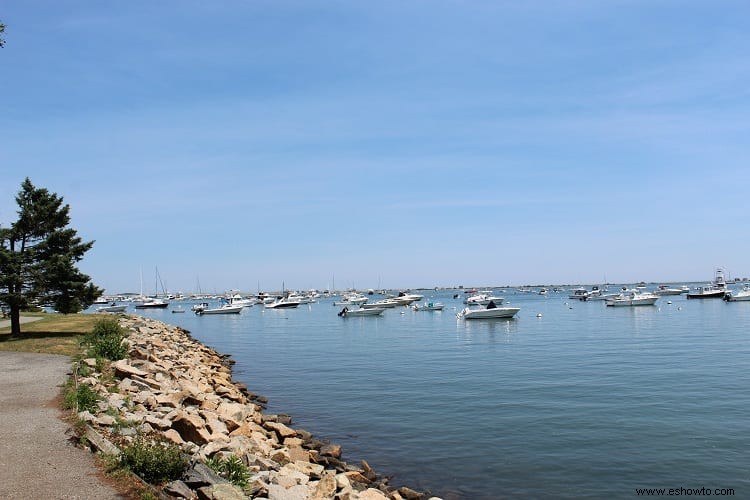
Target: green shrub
[(230, 468), (155, 461), (82, 398), (106, 340)]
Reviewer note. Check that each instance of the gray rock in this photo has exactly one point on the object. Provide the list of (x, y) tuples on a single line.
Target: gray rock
[(191, 428), (331, 450), (409, 493), (123, 369), (220, 492), (202, 475), (105, 420), (90, 362), (179, 489), (326, 487), (276, 492)]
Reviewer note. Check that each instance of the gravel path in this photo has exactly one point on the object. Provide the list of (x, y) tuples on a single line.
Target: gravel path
[(36, 458)]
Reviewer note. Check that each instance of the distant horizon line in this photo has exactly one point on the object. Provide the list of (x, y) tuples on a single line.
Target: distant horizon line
[(457, 287)]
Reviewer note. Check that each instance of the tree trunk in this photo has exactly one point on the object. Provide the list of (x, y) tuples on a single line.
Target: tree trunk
[(15, 321)]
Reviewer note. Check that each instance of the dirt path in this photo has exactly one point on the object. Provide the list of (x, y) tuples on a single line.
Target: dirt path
[(36, 458)]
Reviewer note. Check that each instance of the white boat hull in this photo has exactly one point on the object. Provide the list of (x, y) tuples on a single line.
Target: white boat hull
[(155, 304), (428, 307), (483, 300), (741, 296), (222, 310), (385, 304), (373, 311), (497, 312), (646, 301), (112, 309)]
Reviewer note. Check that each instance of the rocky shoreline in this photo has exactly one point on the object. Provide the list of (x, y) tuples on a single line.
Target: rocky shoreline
[(174, 387)]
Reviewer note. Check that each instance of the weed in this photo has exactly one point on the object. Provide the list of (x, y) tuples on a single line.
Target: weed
[(230, 468), (83, 370), (154, 461), (81, 398), (106, 340)]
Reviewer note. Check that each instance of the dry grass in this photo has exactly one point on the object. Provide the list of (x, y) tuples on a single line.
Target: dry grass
[(53, 334)]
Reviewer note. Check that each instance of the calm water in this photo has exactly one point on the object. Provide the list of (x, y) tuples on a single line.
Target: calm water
[(586, 401)]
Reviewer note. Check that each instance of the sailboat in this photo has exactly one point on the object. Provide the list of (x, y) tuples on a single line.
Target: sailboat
[(151, 302)]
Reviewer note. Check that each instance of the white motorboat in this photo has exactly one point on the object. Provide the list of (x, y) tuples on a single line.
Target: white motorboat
[(495, 312), (597, 293), (101, 300), (405, 299), (716, 290), (738, 295), (112, 308), (707, 292), (199, 307), (429, 306), (632, 298), (384, 303), (282, 303), (594, 294), (238, 300), (579, 293), (667, 290), (483, 299), (223, 309), (352, 299), (302, 299), (373, 311)]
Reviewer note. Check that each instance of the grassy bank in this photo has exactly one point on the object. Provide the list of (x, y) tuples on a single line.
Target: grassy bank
[(51, 334)]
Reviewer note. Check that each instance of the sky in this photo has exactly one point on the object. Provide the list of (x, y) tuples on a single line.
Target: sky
[(396, 144)]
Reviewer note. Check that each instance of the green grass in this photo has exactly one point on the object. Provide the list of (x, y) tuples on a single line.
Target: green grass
[(53, 334)]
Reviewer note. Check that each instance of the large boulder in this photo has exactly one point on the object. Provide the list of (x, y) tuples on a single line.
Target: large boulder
[(282, 430), (124, 369), (326, 487), (202, 475), (220, 492), (191, 427), (233, 414), (331, 450), (372, 494), (277, 492)]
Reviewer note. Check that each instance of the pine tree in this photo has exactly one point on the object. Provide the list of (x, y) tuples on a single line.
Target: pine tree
[(38, 256)]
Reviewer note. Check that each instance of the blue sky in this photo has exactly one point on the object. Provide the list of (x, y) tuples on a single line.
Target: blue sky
[(406, 144)]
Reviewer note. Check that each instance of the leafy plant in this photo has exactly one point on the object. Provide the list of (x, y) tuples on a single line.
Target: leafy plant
[(81, 398), (230, 468), (155, 461), (106, 340)]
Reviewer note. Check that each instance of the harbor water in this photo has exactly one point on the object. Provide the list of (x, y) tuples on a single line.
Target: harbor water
[(567, 400)]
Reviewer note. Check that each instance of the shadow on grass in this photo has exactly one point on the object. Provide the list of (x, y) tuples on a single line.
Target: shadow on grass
[(6, 336)]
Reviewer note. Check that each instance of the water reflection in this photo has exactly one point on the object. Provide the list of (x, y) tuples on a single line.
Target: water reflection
[(493, 329)]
